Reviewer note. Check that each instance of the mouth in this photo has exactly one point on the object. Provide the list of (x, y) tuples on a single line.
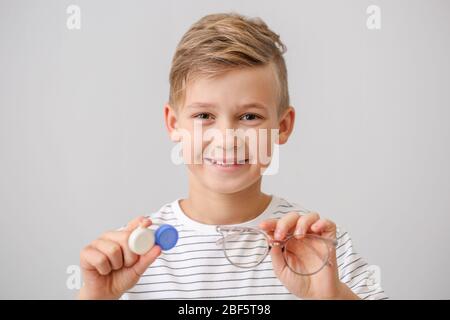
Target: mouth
[(227, 163)]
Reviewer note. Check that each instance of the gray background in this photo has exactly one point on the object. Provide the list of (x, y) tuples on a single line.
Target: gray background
[(83, 147)]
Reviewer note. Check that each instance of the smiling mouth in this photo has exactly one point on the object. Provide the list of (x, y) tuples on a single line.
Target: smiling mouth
[(226, 163)]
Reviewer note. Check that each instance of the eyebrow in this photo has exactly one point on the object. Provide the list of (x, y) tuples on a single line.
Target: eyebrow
[(255, 105), (201, 105)]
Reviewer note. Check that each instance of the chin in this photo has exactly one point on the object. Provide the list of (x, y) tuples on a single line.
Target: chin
[(229, 186), (224, 183)]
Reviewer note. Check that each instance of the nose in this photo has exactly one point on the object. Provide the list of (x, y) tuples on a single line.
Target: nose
[(229, 137), (228, 144)]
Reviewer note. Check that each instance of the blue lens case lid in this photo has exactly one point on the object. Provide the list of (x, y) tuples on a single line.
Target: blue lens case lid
[(166, 236)]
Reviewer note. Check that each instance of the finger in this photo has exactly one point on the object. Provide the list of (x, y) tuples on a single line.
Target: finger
[(324, 227), (286, 224), (277, 260), (327, 229), (304, 224), (121, 237), (146, 222), (276, 253), (146, 259), (133, 224), (95, 260), (268, 225), (112, 250)]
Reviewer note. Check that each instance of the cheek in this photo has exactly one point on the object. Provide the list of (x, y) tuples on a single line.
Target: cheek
[(192, 147), (261, 150), (192, 154)]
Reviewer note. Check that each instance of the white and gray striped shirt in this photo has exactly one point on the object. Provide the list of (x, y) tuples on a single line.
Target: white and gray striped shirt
[(196, 268)]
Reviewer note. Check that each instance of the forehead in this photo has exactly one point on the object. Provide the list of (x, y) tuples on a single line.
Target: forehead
[(235, 87)]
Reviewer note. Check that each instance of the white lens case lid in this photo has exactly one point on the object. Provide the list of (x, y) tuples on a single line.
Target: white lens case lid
[(141, 240)]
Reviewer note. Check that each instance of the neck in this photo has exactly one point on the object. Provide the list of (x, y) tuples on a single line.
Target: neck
[(206, 206)]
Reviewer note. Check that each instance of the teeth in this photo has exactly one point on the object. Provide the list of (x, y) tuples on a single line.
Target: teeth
[(224, 164)]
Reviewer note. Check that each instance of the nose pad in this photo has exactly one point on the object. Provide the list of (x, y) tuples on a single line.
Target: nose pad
[(277, 243)]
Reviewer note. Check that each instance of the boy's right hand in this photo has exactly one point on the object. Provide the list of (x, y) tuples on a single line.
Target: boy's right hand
[(109, 267)]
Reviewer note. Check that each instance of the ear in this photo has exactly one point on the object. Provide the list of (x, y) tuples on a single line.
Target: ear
[(170, 119), (286, 124)]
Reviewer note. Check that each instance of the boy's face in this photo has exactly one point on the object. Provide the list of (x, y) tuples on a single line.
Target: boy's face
[(241, 102)]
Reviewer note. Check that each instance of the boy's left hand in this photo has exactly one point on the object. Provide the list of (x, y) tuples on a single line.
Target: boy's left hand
[(323, 285)]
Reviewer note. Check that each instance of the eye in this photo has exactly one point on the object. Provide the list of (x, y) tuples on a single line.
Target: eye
[(250, 116), (203, 116)]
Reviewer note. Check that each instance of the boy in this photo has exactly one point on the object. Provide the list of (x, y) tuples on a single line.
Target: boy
[(228, 73)]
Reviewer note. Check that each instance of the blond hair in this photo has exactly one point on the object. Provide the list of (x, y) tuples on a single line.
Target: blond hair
[(218, 43)]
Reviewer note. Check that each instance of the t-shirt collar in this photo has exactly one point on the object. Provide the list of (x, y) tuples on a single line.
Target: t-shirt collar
[(190, 224)]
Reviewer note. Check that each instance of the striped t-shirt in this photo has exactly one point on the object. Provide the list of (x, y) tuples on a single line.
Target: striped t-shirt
[(196, 268)]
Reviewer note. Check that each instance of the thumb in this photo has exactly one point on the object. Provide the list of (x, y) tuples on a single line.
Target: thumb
[(277, 259), (147, 259)]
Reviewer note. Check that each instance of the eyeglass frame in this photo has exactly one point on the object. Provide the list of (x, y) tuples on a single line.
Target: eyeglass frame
[(331, 243)]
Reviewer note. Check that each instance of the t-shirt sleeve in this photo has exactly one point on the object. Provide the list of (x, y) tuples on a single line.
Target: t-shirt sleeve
[(124, 296), (363, 279)]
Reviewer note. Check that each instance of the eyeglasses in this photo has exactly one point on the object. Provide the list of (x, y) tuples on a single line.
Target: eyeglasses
[(246, 247)]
